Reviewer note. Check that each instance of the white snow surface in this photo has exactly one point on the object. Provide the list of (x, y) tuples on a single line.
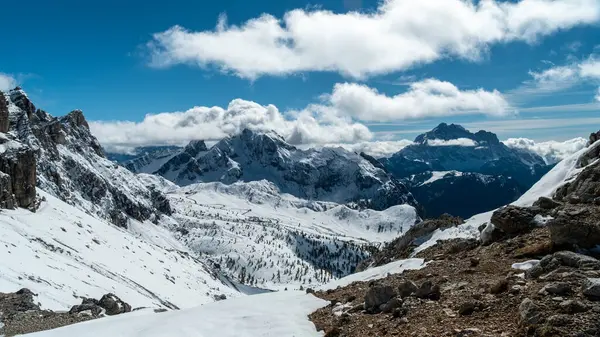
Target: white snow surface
[(62, 253), (526, 265), (375, 273), (253, 231), (267, 315), (437, 175)]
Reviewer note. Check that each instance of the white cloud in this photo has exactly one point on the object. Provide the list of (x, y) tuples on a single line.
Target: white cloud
[(452, 142), (427, 98), (215, 123), (559, 78), (399, 35), (551, 151), (7, 82), (377, 149), (598, 95), (334, 120)]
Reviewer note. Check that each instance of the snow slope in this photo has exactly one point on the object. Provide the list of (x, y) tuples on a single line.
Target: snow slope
[(268, 315), (62, 253)]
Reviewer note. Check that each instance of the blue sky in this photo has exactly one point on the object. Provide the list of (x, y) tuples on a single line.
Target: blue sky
[(535, 76)]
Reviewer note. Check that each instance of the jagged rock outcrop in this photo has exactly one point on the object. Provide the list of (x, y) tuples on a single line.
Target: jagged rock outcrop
[(329, 174), (61, 156), (3, 114), (18, 168)]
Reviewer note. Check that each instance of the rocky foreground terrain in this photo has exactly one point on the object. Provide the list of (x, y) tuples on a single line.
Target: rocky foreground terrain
[(533, 272)]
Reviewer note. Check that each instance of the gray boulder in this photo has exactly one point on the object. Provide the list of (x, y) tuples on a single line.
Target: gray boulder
[(529, 313), (513, 219), (377, 296), (591, 288)]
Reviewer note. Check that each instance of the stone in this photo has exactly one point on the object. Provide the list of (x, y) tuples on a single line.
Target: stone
[(576, 230), (546, 203), (391, 305), (513, 219), (559, 320), (467, 308), (377, 296), (429, 291), (529, 313), (557, 288), (406, 288), (573, 306), (113, 305), (575, 260), (591, 288), (474, 261), (499, 287)]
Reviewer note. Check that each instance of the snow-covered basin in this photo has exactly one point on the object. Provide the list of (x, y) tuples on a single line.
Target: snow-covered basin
[(563, 172), (375, 273), (275, 314)]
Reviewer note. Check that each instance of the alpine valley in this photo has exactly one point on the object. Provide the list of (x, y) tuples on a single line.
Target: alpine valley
[(85, 234)]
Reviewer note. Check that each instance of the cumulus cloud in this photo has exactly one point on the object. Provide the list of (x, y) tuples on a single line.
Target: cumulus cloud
[(7, 82), (551, 151), (337, 118), (215, 123), (377, 149), (452, 142), (427, 98), (398, 35), (559, 78)]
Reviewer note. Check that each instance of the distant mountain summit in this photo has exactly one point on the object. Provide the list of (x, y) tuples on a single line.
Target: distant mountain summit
[(326, 174), (453, 170), (452, 147)]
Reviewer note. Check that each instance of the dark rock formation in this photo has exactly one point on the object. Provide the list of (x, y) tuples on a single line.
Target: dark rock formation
[(17, 184), (513, 219)]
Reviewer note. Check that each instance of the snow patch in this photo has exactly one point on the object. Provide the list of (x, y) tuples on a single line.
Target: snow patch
[(525, 265), (376, 273), (267, 315)]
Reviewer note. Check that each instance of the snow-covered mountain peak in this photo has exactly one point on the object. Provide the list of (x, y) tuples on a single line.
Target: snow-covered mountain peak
[(194, 147), (448, 132), (329, 174)]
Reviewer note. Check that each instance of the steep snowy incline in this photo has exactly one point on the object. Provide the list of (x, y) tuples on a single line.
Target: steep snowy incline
[(259, 236), (333, 175), (267, 315), (62, 254)]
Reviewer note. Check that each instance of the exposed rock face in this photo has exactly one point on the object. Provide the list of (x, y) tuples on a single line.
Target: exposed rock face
[(3, 114), (61, 156), (17, 184), (326, 174)]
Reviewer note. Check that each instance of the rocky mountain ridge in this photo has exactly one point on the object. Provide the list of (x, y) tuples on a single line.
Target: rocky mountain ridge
[(61, 156), (329, 174)]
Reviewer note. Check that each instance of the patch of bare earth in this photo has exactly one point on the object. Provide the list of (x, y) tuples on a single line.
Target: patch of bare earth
[(471, 290)]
